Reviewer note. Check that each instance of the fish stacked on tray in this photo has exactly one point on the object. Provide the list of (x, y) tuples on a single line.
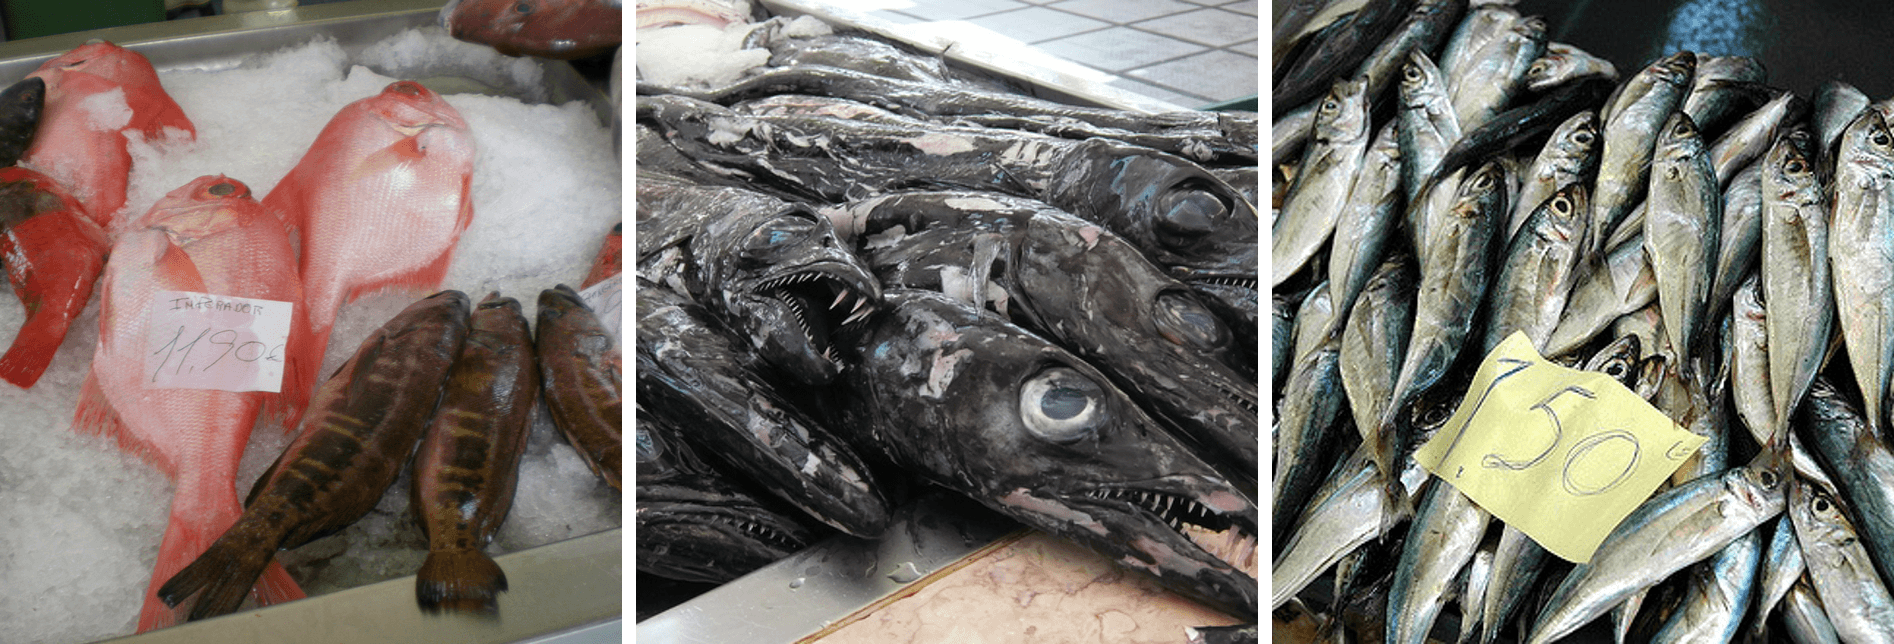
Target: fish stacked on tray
[(379, 200), (1444, 177), (853, 278)]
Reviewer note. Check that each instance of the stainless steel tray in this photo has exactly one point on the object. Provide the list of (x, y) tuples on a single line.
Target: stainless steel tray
[(567, 592)]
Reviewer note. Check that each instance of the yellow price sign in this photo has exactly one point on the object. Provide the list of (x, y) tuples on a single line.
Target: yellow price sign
[(1564, 455)]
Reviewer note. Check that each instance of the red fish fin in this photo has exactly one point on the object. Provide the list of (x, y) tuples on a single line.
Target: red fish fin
[(33, 348), (94, 415), (466, 581), (275, 586), (175, 269), (302, 367), (299, 374)]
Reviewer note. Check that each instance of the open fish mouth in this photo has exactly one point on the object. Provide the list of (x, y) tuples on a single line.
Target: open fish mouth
[(821, 303), (1225, 536), (725, 522)]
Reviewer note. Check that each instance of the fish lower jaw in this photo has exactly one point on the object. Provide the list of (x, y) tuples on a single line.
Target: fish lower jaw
[(1223, 536), (821, 307)]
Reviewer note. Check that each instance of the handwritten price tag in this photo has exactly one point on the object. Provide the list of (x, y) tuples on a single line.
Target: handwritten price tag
[(1563, 455), (202, 341), (606, 298)]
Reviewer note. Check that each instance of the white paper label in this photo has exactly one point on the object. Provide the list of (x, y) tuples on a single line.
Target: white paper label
[(202, 341), (605, 298)]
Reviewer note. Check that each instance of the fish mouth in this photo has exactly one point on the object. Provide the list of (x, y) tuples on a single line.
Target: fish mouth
[(821, 301), (711, 543), (1214, 526)]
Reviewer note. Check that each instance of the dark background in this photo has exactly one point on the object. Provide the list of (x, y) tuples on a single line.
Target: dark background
[(1801, 43)]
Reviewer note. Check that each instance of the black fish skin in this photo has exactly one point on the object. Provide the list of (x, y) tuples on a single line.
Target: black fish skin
[(20, 108), (694, 523), (1086, 289), (770, 269), (692, 374), (1220, 134), (976, 404)]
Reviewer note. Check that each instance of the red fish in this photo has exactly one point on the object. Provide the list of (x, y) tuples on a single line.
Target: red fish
[(53, 254), (96, 96), (380, 198), (209, 236), (562, 29), (610, 260)]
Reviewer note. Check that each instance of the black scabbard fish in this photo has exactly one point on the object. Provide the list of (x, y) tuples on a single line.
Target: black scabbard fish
[(1183, 218), (969, 401), (579, 371), (1082, 287), (1207, 134), (362, 426), (692, 373), (695, 523), (772, 271), (469, 461)]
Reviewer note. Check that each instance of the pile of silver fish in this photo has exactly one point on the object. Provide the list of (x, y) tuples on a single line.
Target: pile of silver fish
[(852, 280), (1444, 177)]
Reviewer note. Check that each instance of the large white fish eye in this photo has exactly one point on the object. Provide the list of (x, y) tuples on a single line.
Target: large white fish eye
[(1062, 406), (1185, 321), (1191, 210)]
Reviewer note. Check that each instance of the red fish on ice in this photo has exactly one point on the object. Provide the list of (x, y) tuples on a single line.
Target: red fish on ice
[(96, 96), (209, 236), (380, 199), (53, 254), (562, 29)]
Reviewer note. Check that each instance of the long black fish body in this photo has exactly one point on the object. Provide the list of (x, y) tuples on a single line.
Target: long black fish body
[(1183, 218), (971, 402), (1082, 287), (694, 523), (691, 373), (1232, 136), (773, 271)]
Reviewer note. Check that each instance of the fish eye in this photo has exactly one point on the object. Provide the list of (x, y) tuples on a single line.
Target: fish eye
[(523, 7), (781, 232), (1435, 415), (1537, 69), (1410, 73), (649, 450), (1185, 321), (1330, 105), (1562, 205), (221, 189), (1615, 369), (1820, 504), (1582, 137), (1191, 210), (1768, 478), (1795, 166), (1681, 129), (1879, 137), (1062, 406)]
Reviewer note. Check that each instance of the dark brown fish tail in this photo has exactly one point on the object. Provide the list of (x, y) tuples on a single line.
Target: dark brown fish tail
[(224, 574), (462, 581)]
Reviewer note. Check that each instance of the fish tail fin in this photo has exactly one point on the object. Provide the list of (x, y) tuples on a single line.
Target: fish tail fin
[(464, 581), (196, 523), (33, 348), (223, 575), (276, 586)]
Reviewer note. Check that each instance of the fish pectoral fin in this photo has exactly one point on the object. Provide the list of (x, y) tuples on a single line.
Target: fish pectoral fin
[(174, 268)]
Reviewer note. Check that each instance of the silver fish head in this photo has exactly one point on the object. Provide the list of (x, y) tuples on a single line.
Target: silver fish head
[(1421, 82)]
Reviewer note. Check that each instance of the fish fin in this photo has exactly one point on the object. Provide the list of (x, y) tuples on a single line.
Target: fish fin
[(298, 379), (276, 586), (175, 269), (222, 576), (464, 581), (191, 530), (94, 415)]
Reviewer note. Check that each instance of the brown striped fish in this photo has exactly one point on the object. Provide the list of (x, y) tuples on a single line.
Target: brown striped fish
[(580, 369)]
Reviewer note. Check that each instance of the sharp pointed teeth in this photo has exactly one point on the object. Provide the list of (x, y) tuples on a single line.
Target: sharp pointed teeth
[(838, 299), (859, 303), (851, 319)]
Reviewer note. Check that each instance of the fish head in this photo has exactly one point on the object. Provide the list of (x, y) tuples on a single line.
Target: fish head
[(1789, 169), (409, 107), (1421, 83), (23, 101), (979, 405), (102, 59), (206, 206), (1182, 217), (693, 522), (1677, 69), (1618, 360), (1105, 296), (554, 28), (1866, 145), (1482, 193), (786, 282)]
